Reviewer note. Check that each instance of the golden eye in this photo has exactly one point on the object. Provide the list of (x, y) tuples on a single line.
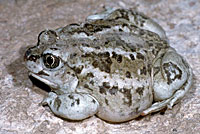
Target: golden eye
[(51, 61)]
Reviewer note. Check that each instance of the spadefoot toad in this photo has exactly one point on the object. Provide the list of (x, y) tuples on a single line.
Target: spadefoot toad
[(117, 65)]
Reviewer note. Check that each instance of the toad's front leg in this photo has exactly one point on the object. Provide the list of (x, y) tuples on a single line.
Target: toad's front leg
[(72, 106)]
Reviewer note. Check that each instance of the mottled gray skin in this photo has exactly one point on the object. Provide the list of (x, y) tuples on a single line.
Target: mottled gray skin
[(117, 65)]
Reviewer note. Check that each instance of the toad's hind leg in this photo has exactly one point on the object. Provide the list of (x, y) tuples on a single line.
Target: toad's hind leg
[(72, 106), (172, 79)]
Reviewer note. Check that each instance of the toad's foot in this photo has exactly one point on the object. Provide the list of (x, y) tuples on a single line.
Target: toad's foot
[(169, 103)]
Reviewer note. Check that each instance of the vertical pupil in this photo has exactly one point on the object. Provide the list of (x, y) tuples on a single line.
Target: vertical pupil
[(50, 60)]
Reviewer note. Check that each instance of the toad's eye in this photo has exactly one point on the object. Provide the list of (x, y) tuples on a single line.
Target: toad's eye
[(51, 61)]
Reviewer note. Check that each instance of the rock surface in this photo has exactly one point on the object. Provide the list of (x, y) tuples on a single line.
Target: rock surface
[(22, 20)]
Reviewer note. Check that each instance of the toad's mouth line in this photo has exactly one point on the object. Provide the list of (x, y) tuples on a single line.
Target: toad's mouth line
[(45, 81)]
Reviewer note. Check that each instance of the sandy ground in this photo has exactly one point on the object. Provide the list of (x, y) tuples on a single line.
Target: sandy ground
[(22, 20)]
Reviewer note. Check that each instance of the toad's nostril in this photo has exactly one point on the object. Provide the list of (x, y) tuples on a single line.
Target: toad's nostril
[(29, 56), (27, 53)]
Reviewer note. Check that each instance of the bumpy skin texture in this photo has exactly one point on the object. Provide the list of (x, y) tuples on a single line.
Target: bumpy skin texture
[(117, 65)]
